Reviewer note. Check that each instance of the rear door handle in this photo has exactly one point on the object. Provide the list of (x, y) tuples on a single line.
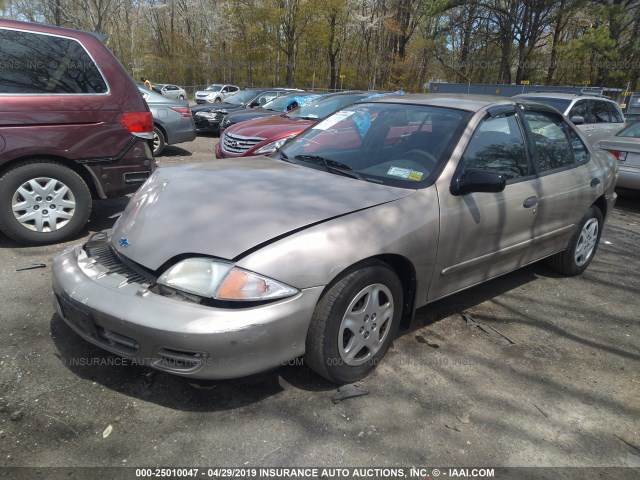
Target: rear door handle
[(530, 202), (595, 182)]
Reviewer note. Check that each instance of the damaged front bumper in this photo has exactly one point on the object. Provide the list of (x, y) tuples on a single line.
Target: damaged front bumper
[(118, 312)]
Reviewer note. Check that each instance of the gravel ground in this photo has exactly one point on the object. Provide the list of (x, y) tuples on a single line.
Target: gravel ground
[(564, 394)]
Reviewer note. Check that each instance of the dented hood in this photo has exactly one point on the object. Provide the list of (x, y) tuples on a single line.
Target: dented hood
[(225, 207)]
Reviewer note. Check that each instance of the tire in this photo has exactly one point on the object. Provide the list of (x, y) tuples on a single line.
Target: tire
[(348, 336), (582, 246), (181, 97), (56, 200), (158, 143), (218, 100)]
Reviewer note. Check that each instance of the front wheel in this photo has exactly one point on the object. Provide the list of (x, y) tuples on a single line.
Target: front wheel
[(582, 246), (218, 100), (43, 202), (354, 324)]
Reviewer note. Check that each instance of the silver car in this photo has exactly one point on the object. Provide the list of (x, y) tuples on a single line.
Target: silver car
[(228, 268), (625, 146), (172, 121), (171, 91), (215, 93), (596, 117)]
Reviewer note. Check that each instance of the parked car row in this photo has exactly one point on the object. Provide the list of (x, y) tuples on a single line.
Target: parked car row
[(208, 117), (232, 267)]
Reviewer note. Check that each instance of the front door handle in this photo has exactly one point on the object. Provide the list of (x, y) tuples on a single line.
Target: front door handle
[(530, 202), (595, 182)]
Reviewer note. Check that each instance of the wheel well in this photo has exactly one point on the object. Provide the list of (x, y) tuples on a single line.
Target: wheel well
[(79, 169), (406, 273), (601, 203), (161, 128)]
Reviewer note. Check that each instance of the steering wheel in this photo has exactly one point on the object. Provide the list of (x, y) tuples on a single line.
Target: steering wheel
[(424, 158)]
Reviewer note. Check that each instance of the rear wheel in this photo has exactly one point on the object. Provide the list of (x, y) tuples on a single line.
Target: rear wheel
[(181, 97), (354, 324), (43, 202), (158, 142), (582, 246)]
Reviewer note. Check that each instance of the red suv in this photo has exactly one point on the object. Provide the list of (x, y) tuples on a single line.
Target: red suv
[(73, 126)]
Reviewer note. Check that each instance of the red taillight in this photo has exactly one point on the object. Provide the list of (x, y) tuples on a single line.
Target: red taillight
[(184, 111), (138, 123), (615, 153)]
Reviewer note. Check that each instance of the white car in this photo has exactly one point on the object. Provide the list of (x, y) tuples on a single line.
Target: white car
[(215, 93), (171, 91)]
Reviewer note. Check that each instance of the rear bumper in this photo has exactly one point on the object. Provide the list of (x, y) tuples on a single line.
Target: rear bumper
[(175, 336), (184, 131), (124, 176), (628, 177)]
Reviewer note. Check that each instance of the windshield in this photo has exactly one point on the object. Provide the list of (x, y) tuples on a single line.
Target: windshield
[(560, 104), (323, 107), (387, 143), (289, 102), (214, 88), (631, 131), (242, 97)]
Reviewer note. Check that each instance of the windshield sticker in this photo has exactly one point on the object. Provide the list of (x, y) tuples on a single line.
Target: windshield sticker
[(399, 172), (332, 120), (405, 173)]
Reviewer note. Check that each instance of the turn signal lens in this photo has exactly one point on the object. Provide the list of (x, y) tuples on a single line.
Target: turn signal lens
[(243, 286)]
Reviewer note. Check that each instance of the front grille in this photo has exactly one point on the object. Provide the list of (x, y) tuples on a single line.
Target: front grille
[(100, 251), (238, 144)]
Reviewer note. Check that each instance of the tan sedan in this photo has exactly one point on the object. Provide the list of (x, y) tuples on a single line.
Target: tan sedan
[(325, 248)]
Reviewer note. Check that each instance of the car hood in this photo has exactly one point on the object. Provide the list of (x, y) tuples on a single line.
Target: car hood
[(238, 117), (270, 127), (215, 106), (625, 144), (226, 207)]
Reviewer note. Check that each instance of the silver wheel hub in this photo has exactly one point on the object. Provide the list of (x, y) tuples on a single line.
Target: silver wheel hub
[(43, 204), (156, 141), (365, 325), (586, 242)]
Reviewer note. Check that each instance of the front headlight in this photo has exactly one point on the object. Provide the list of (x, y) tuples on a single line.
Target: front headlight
[(222, 281), (273, 146), (205, 114)]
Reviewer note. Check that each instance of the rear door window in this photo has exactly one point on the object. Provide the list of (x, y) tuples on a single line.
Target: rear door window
[(557, 146), (614, 113), (34, 63), (600, 111)]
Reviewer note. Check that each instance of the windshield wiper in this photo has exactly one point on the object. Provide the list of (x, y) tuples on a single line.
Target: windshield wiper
[(330, 165)]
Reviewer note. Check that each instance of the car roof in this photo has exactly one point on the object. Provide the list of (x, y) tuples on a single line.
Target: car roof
[(42, 28), (469, 102), (562, 95)]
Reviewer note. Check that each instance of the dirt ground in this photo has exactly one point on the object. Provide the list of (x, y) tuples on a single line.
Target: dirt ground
[(565, 393)]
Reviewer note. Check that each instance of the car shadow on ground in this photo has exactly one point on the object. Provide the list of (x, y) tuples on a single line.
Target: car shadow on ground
[(95, 364), (174, 151), (137, 381)]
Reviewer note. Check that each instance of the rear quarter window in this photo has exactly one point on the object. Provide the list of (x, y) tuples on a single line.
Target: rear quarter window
[(34, 63)]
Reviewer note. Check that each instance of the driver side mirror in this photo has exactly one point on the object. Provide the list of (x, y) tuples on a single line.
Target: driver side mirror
[(577, 120), (255, 103), (476, 180)]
